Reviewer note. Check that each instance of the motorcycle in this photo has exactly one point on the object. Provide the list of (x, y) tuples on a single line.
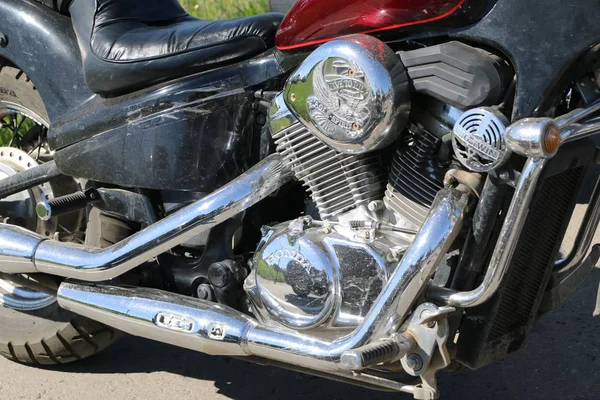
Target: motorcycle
[(369, 192)]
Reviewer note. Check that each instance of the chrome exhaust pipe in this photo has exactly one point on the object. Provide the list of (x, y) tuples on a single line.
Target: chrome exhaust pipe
[(22, 251), (220, 330)]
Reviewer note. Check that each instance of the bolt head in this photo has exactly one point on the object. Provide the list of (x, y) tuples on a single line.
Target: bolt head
[(204, 292), (219, 275), (374, 206), (264, 230), (414, 362), (425, 314)]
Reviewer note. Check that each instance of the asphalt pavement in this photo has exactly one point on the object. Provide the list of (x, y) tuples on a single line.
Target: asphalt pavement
[(560, 361)]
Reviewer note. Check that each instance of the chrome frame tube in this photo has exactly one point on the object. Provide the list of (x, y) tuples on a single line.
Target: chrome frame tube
[(507, 240), (583, 240), (26, 252), (515, 217), (575, 116), (216, 329), (573, 133)]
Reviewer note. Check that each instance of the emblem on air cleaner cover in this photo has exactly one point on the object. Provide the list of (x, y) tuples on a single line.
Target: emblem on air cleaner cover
[(341, 100), (478, 139)]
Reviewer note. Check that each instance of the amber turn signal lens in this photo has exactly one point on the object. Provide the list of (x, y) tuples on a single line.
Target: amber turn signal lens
[(551, 140)]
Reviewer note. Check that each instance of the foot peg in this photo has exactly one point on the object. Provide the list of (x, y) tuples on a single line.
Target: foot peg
[(386, 350), (47, 209)]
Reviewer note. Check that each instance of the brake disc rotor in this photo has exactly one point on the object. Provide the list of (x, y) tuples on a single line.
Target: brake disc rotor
[(19, 209)]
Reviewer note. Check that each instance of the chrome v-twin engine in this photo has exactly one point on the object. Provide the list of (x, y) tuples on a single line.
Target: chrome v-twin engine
[(347, 100)]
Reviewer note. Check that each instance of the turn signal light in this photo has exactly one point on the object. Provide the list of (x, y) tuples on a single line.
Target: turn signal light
[(551, 140)]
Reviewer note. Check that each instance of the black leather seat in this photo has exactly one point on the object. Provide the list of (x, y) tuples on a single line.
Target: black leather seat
[(131, 44)]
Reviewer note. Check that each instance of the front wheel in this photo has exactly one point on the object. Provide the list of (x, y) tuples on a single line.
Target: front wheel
[(34, 329)]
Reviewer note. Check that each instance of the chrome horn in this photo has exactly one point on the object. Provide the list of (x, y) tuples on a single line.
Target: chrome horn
[(23, 251), (216, 329)]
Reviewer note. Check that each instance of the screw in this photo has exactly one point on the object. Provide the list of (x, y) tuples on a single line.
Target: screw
[(504, 176), (414, 362), (261, 119), (3, 40), (449, 180), (424, 314), (374, 206), (204, 292)]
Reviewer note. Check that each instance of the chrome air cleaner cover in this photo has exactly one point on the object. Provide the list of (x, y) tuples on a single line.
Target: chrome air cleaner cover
[(352, 93), (308, 277)]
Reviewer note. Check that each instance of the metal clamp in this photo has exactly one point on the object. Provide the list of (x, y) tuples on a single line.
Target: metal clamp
[(429, 326)]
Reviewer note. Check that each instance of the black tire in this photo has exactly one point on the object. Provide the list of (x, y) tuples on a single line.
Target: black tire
[(281, 6), (50, 335)]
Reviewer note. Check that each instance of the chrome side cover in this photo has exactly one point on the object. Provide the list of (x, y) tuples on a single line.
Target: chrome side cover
[(352, 93), (307, 277)]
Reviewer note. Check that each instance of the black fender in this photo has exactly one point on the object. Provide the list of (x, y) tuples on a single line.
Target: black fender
[(41, 42)]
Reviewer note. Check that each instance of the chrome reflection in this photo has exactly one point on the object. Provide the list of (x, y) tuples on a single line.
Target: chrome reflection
[(304, 277), (220, 330)]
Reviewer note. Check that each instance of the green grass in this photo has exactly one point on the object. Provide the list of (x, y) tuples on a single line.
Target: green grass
[(223, 9), (11, 126)]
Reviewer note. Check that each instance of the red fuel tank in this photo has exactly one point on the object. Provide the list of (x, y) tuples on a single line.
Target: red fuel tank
[(311, 22)]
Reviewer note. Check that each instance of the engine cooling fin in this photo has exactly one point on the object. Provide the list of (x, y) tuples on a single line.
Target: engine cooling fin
[(416, 177), (337, 182)]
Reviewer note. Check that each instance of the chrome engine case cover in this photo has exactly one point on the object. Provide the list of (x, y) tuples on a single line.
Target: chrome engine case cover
[(352, 93), (313, 278)]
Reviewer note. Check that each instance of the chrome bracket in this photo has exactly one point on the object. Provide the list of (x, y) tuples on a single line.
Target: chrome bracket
[(429, 326)]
